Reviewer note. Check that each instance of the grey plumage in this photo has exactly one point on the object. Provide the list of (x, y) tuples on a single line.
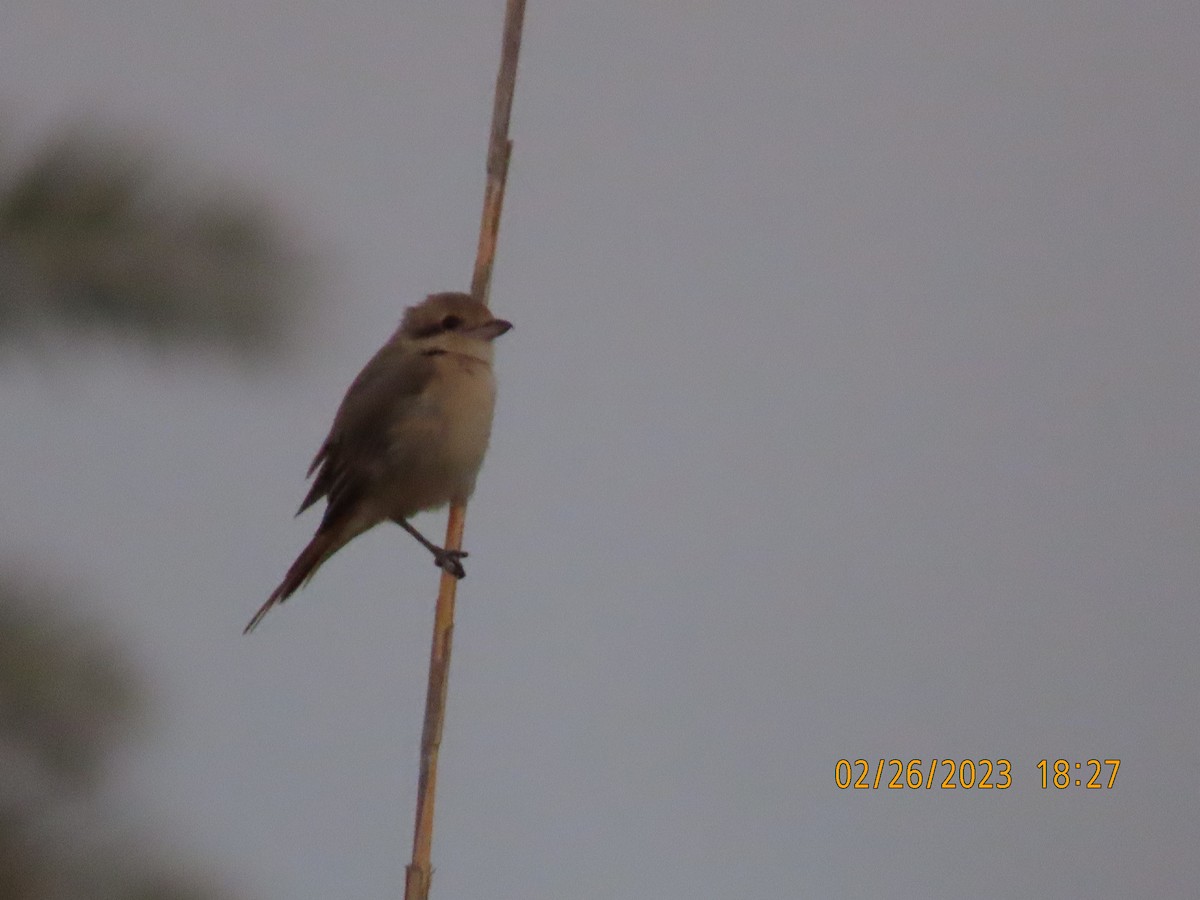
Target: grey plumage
[(410, 434)]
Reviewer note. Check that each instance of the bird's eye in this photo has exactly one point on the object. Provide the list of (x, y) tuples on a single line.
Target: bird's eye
[(449, 323)]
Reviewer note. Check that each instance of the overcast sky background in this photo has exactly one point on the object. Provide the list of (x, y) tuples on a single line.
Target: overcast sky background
[(852, 410)]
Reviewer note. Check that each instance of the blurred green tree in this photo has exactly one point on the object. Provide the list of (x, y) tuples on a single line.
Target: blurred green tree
[(101, 236), (96, 233)]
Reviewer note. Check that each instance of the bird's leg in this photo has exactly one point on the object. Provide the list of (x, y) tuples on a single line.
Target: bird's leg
[(447, 560)]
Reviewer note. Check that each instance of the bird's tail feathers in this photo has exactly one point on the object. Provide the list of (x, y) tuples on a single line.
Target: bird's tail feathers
[(324, 544)]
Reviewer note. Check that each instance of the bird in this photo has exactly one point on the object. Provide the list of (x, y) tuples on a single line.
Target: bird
[(410, 434)]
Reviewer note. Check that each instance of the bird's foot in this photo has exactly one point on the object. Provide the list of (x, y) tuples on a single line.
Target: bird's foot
[(449, 561)]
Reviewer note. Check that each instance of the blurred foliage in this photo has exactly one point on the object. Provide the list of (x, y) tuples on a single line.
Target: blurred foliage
[(64, 695), (66, 701), (98, 236), (99, 233)]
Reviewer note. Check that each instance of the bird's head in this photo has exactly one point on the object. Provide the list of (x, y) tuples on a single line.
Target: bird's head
[(453, 322)]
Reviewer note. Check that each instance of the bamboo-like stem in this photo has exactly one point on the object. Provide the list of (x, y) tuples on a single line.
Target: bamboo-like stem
[(420, 871)]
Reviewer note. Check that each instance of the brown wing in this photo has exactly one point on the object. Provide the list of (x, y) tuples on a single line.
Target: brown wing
[(355, 455)]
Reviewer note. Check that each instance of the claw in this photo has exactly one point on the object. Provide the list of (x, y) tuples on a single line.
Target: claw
[(448, 561)]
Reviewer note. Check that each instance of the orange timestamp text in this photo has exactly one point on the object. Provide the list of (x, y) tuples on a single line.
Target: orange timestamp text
[(969, 774)]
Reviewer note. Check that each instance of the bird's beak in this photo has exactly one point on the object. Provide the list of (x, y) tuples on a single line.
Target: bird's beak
[(489, 331)]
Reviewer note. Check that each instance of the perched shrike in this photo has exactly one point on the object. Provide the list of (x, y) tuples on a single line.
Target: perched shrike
[(409, 436)]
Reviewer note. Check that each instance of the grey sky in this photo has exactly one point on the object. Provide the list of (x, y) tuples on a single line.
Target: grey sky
[(852, 409)]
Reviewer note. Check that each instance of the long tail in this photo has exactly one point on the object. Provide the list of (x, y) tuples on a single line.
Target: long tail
[(324, 544)]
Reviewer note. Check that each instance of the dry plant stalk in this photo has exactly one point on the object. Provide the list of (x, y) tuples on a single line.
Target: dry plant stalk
[(420, 871)]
